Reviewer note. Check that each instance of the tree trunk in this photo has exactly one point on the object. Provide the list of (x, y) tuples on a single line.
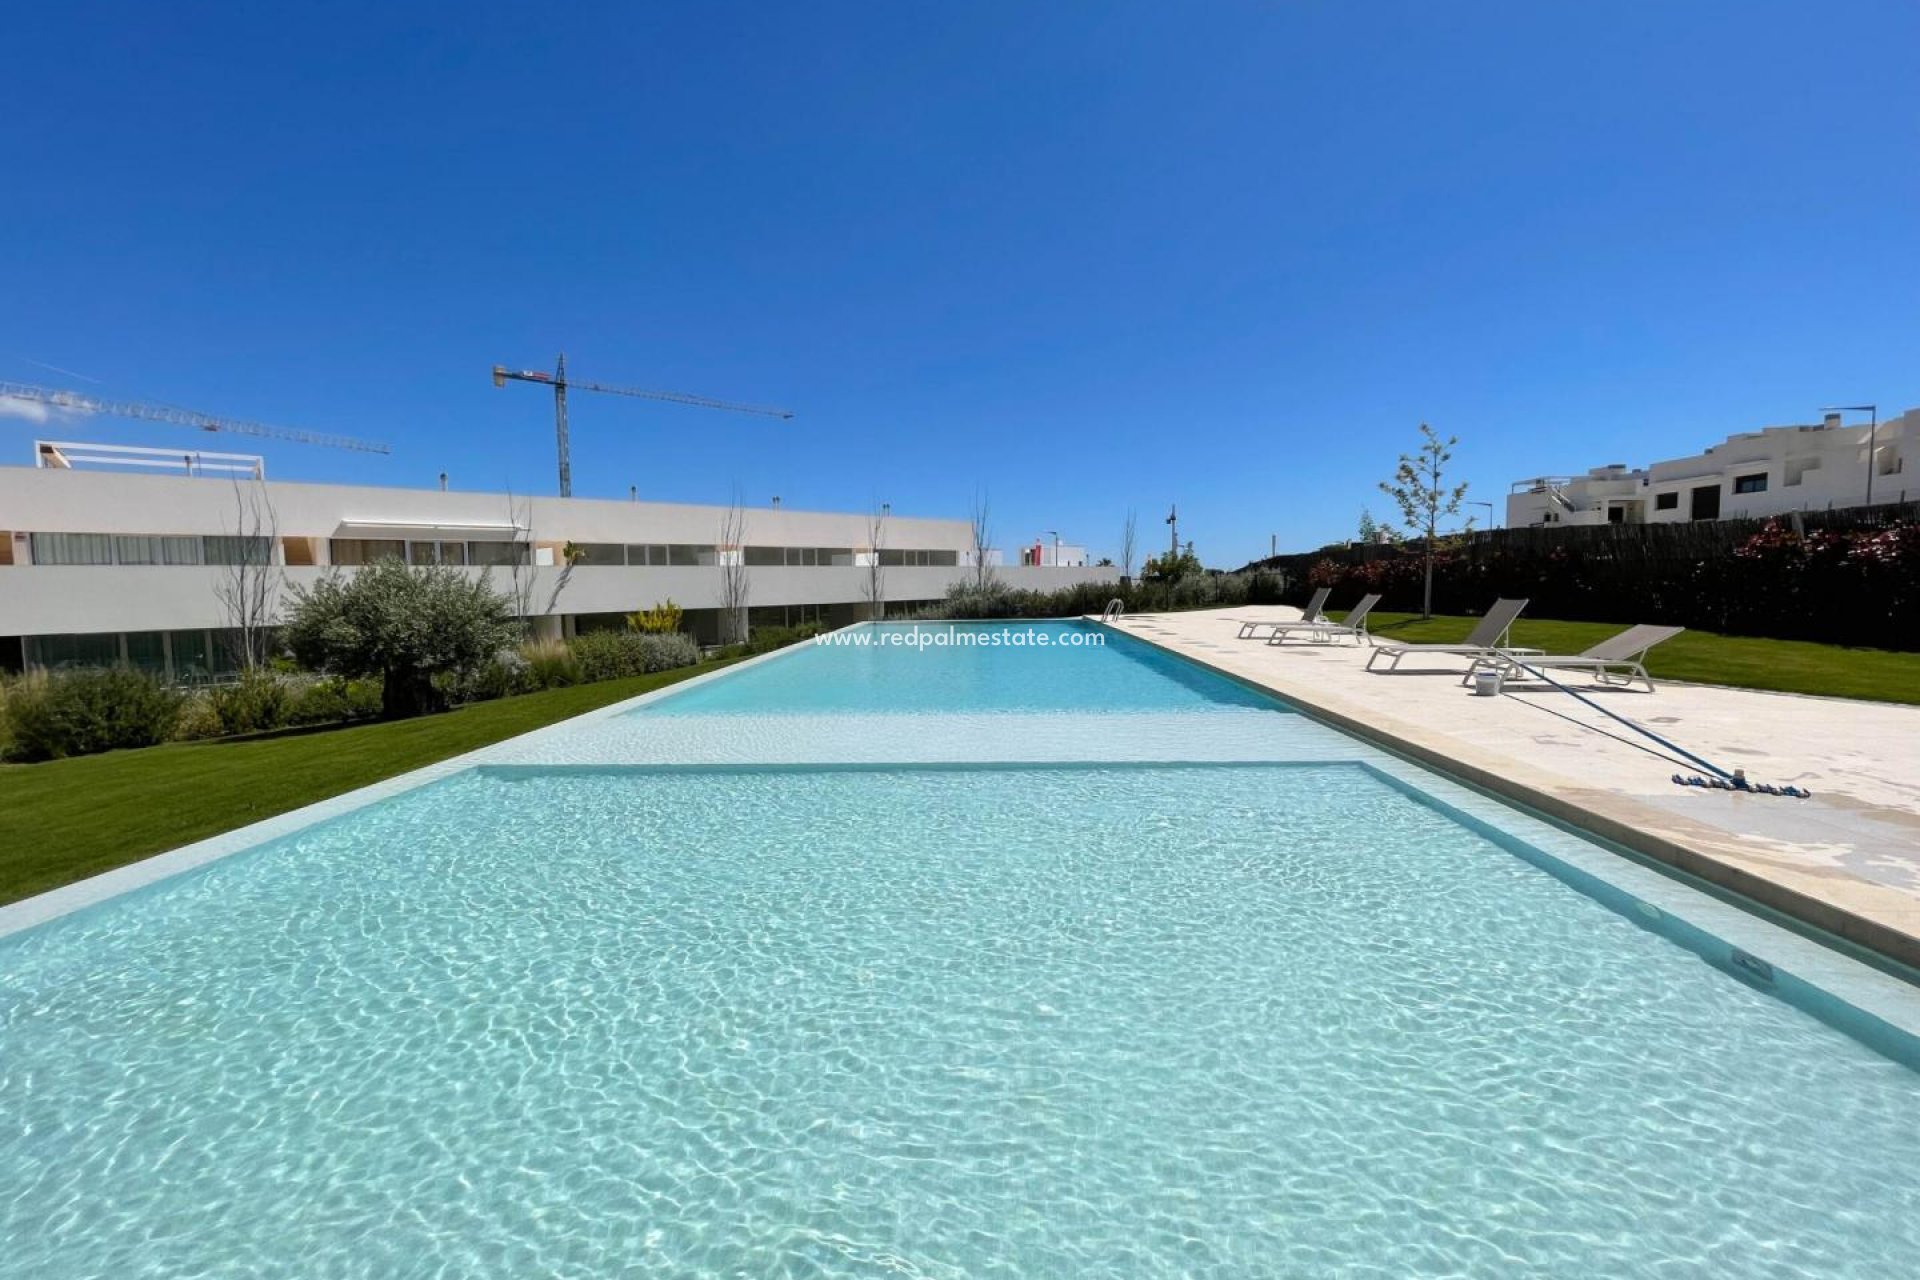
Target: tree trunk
[(1426, 599), (406, 692)]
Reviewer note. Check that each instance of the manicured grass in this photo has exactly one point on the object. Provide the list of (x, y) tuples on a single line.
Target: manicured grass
[(67, 819), (1784, 666)]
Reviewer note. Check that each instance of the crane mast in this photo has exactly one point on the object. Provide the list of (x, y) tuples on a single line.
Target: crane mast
[(559, 382), (76, 402)]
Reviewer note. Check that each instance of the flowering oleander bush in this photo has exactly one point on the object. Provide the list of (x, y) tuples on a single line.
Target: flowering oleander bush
[(1857, 586)]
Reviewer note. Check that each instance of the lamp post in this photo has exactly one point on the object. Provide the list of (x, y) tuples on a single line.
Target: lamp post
[(1055, 535), (1488, 505), (1873, 435)]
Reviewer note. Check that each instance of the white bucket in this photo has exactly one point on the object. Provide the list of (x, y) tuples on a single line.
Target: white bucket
[(1486, 682)]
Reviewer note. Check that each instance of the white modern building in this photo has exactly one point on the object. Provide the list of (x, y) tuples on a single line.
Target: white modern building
[(1762, 473), (101, 566)]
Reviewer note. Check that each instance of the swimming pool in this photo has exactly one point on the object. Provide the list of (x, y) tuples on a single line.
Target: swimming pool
[(1140, 1016), (973, 667)]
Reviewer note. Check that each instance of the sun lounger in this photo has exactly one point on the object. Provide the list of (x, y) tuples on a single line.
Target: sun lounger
[(1617, 660), (1250, 630), (1488, 636), (1352, 627)]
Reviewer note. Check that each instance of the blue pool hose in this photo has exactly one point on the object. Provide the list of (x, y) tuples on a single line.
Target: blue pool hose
[(1721, 779)]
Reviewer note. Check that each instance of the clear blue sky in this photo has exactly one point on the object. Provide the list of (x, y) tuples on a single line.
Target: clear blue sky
[(1083, 256)]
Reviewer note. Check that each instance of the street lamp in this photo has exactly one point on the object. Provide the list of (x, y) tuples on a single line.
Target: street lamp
[(1488, 505), (1873, 435), (1055, 535)]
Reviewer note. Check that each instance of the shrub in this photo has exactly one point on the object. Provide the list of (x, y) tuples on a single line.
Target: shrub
[(408, 625), (7, 692), (550, 664), (79, 713), (198, 719), (662, 619), (259, 701), (767, 639), (333, 700), (610, 655), (500, 676)]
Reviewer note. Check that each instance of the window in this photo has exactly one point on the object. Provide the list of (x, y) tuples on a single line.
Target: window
[(101, 649), (135, 549), (599, 555), (682, 553), (232, 550), (915, 558), (837, 557), (1666, 501), (1706, 503), (1756, 483), (190, 664), (147, 651), (646, 553), (1616, 514), (357, 551), (496, 553), (765, 556), (72, 548), (437, 553)]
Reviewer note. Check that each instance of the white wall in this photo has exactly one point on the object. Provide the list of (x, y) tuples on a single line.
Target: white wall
[(61, 599)]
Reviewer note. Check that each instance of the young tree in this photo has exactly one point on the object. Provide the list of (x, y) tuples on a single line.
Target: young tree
[(1369, 530), (1419, 489), (730, 554), (1126, 545), (876, 572), (249, 583), (982, 542), (520, 567), (405, 625)]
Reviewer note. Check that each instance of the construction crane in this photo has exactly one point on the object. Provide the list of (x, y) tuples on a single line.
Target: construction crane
[(75, 402), (558, 381)]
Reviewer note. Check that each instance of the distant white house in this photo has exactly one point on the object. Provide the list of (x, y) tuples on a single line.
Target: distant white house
[(1051, 553), (1754, 474)]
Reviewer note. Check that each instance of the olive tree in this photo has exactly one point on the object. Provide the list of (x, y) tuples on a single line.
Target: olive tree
[(403, 624)]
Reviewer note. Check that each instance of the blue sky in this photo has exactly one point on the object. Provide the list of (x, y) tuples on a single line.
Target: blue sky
[(1081, 256)]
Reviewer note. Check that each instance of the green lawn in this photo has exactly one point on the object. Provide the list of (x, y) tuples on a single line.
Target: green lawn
[(1786, 666), (68, 819)]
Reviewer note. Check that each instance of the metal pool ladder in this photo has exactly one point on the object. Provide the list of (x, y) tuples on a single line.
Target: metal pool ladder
[(1116, 608)]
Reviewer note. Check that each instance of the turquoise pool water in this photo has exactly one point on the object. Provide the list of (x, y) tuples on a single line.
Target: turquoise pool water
[(1127, 1018), (948, 1023), (968, 667)]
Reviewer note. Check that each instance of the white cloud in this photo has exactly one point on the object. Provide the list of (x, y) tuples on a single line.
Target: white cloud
[(31, 410)]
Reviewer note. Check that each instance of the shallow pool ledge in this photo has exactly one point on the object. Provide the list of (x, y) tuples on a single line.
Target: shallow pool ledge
[(1879, 918)]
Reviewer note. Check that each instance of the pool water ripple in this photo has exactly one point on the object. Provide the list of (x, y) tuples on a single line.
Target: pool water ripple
[(936, 1022)]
